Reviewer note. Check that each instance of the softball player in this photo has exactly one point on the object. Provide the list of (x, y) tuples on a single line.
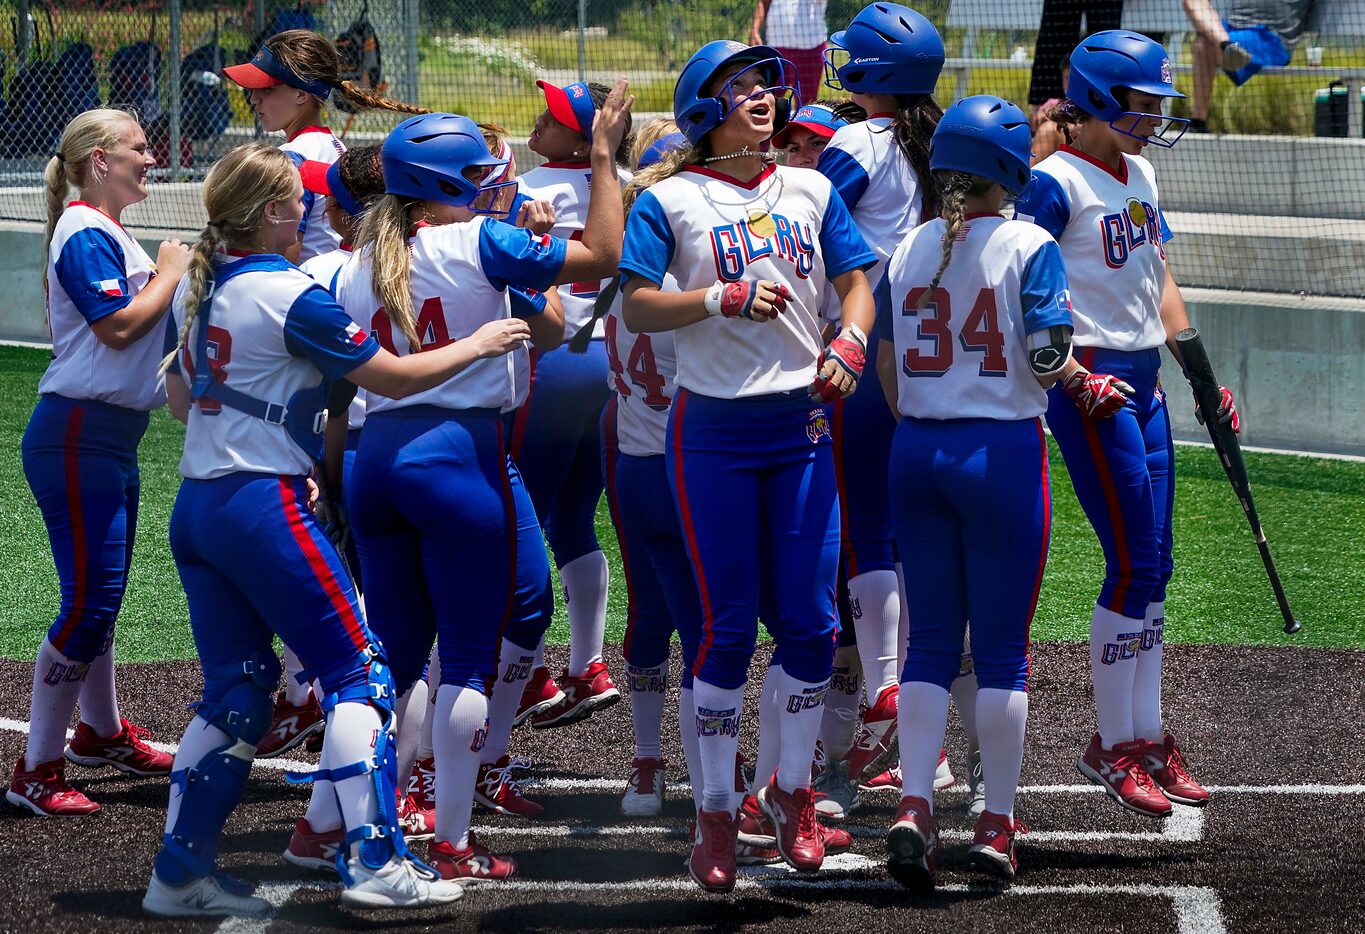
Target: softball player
[(259, 343), (752, 247), (975, 320), (556, 438), (889, 59), (807, 135), (106, 300), (1098, 197), (431, 494)]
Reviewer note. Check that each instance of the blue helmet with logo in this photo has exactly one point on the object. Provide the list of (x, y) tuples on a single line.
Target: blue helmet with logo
[(986, 136), (698, 112), (425, 158), (1110, 61), (891, 49)]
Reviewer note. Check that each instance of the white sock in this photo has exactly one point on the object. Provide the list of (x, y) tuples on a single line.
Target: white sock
[(461, 727), (294, 692), (411, 712), (1001, 717), (324, 811), (351, 730), (875, 601), (1147, 678), (201, 738), (540, 653), (648, 692), (425, 747), (923, 717), (964, 699), (717, 726), (687, 718), (1114, 641), (514, 670), (57, 683), (585, 602), (769, 730), (839, 723), (98, 698), (800, 708), (903, 624)]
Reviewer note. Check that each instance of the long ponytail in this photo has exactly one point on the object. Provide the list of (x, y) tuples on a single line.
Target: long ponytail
[(916, 117), (309, 55), (952, 189), (384, 230), (94, 129)]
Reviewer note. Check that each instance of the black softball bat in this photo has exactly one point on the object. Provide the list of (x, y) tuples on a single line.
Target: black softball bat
[(1208, 397)]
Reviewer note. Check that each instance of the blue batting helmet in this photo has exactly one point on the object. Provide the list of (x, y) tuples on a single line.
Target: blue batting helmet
[(425, 158), (891, 50), (986, 136), (1110, 61), (698, 112)]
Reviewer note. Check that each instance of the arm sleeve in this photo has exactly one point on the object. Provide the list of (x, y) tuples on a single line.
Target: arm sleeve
[(649, 246), (516, 258), (1044, 203), (883, 327), (1043, 291), (319, 330), (845, 173), (841, 245), (93, 272)]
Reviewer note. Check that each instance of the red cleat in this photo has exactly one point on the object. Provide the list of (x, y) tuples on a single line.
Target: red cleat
[(44, 791), (495, 790), (793, 817), (1166, 764), (712, 862), (582, 696), (1121, 773), (418, 811), (913, 844), (754, 827), (541, 694), (837, 840), (874, 746), (474, 863), (314, 850), (290, 725), (992, 847), (127, 751)]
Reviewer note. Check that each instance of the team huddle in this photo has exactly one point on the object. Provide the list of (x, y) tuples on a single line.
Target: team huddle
[(813, 394)]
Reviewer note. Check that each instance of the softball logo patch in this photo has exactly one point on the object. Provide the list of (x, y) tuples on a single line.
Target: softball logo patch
[(817, 426), (762, 224)]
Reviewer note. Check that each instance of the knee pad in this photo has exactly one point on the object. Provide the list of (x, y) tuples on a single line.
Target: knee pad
[(238, 697)]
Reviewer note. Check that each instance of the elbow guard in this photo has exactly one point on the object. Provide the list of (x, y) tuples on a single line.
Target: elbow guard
[(1049, 349)]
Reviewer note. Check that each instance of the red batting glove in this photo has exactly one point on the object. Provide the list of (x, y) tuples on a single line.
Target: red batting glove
[(1097, 395), (840, 366), (757, 300), (1227, 410)]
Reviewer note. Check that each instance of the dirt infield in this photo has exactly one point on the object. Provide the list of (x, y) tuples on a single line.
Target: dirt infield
[(1281, 848)]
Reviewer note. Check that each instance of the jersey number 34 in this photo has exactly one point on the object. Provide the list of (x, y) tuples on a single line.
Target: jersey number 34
[(979, 334)]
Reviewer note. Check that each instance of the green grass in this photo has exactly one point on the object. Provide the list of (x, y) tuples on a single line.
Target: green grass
[(1313, 510)]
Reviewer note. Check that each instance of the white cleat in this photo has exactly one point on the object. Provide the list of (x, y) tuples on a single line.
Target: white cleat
[(644, 795), (397, 884), (202, 898)]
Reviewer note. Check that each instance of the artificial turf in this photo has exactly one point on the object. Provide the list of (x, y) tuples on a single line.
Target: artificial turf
[(1313, 511)]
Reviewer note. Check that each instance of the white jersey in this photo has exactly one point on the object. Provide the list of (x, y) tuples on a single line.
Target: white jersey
[(462, 278), (1112, 235), (965, 353), (796, 24), (644, 368), (315, 144), (567, 186), (878, 185), (324, 268), (785, 225), (95, 268), (272, 332)]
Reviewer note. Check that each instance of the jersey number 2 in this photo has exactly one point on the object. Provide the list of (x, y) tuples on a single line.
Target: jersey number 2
[(643, 371), (980, 334)]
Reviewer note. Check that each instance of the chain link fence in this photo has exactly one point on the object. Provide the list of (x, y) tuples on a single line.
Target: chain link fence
[(1267, 199)]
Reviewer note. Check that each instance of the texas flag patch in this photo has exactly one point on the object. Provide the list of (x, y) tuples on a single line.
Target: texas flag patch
[(355, 334), (109, 287)]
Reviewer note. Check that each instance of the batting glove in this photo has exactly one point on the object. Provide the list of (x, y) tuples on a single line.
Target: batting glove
[(1097, 395), (840, 366), (1227, 410), (760, 300)]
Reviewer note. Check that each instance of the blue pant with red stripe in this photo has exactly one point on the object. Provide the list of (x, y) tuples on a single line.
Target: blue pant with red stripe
[(434, 518), (254, 564), (348, 465), (973, 518), (863, 429), (661, 590), (753, 480), (1123, 470), (80, 460), (533, 604), (557, 445)]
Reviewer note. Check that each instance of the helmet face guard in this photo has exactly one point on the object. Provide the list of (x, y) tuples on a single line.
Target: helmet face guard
[(698, 110), (835, 57), (490, 200), (1166, 136), (775, 76)]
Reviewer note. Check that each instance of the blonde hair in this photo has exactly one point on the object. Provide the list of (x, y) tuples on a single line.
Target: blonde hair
[(649, 134), (236, 192), (309, 55), (384, 228), (953, 189), (91, 130), (671, 164)]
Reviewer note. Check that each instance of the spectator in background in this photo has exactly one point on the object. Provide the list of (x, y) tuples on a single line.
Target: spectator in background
[(1047, 135), (1256, 34), (1059, 32), (796, 28)]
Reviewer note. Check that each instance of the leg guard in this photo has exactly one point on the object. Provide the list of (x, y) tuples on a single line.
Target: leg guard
[(210, 789)]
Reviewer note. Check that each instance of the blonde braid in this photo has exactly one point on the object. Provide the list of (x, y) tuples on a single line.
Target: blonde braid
[(199, 283), (384, 229), (953, 188), (54, 175)]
